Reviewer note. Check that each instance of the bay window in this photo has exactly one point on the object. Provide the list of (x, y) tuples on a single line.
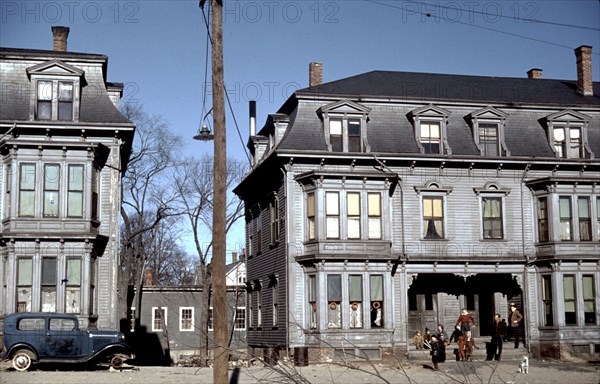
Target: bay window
[(376, 291), (353, 200), (374, 212), (585, 222), (566, 218), (332, 215), (542, 219), (355, 296), (73, 285), (334, 301), (570, 300), (49, 278), (547, 300), (589, 299)]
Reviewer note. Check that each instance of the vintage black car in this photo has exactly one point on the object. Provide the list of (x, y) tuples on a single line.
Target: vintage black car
[(56, 338)]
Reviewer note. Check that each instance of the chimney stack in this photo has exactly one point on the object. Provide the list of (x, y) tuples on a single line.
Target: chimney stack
[(252, 118), (60, 38), (234, 258), (534, 73), (583, 54), (149, 277), (315, 74)]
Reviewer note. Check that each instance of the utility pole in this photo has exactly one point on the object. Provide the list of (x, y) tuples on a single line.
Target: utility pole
[(219, 289)]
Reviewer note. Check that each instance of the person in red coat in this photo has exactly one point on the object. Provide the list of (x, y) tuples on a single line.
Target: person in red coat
[(465, 321)]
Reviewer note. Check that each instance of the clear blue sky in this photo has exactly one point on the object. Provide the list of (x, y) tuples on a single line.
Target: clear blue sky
[(158, 48)]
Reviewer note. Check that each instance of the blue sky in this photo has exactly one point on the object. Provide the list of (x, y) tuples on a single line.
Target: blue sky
[(158, 48)]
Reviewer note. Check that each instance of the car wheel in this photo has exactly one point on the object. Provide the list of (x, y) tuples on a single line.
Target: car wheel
[(22, 359), (116, 362)]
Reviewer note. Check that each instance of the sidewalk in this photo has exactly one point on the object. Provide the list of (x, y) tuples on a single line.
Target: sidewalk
[(409, 372)]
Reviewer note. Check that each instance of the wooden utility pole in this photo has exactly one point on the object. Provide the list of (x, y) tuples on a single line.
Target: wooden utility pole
[(221, 353)]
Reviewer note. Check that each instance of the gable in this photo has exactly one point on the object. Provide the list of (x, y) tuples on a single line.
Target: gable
[(54, 67)]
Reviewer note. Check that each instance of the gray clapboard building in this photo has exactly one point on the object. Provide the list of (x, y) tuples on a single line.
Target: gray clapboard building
[(64, 145), (384, 203)]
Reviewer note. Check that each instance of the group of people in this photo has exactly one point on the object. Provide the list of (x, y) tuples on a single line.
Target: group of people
[(438, 341), (505, 332)]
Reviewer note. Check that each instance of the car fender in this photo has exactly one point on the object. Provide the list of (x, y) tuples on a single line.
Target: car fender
[(111, 349), (15, 347)]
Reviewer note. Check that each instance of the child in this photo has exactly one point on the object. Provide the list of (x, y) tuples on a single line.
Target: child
[(470, 344), (418, 340), (462, 348)]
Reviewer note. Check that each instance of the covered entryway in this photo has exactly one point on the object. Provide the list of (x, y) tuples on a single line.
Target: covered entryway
[(438, 298)]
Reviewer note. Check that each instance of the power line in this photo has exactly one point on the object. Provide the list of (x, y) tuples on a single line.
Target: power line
[(479, 26), (538, 21)]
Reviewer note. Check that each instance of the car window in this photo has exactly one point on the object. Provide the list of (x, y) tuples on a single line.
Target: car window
[(62, 324), (30, 325)]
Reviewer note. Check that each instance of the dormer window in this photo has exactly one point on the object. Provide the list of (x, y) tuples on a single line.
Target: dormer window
[(345, 126), (488, 131), (567, 134), (54, 100), (57, 91), (430, 129)]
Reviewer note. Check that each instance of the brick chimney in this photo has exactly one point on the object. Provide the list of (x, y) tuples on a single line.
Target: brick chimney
[(534, 73), (149, 277), (315, 74), (234, 257), (60, 38), (583, 54)]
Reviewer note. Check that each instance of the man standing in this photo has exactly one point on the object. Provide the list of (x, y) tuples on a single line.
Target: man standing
[(514, 320), (495, 351)]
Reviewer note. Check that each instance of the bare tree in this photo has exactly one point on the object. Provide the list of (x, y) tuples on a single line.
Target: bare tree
[(193, 180), (146, 203)]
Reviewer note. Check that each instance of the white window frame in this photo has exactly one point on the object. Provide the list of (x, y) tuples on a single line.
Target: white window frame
[(492, 190), (235, 320), (345, 111), (489, 115), (181, 319), (432, 189), (431, 114), (569, 119)]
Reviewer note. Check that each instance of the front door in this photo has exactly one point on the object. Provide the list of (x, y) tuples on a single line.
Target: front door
[(422, 312)]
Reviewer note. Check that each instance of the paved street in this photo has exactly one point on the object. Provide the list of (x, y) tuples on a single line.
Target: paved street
[(413, 372)]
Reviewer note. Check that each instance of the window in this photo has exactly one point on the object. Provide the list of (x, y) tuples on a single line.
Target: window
[(274, 220), (186, 318), (589, 299), (259, 233), (353, 215), (73, 285), (542, 219), (344, 126), (65, 101), (51, 189), (49, 273), (310, 215), (211, 320), (598, 218), (566, 218), (430, 137), (433, 217), (488, 139), (585, 221), (567, 142), (27, 183), (334, 300), (159, 319), (240, 318), (376, 288), (259, 306), (44, 100), (24, 284), (54, 100), (332, 208), (75, 191), (335, 135), (570, 300), (250, 310), (374, 210), (312, 301), (355, 296), (275, 297), (492, 217)]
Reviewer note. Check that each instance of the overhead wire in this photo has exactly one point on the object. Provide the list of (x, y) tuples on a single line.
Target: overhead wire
[(209, 37), (426, 14)]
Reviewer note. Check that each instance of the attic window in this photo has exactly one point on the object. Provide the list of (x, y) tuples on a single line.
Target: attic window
[(488, 131), (567, 134), (345, 126), (57, 89), (430, 129)]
